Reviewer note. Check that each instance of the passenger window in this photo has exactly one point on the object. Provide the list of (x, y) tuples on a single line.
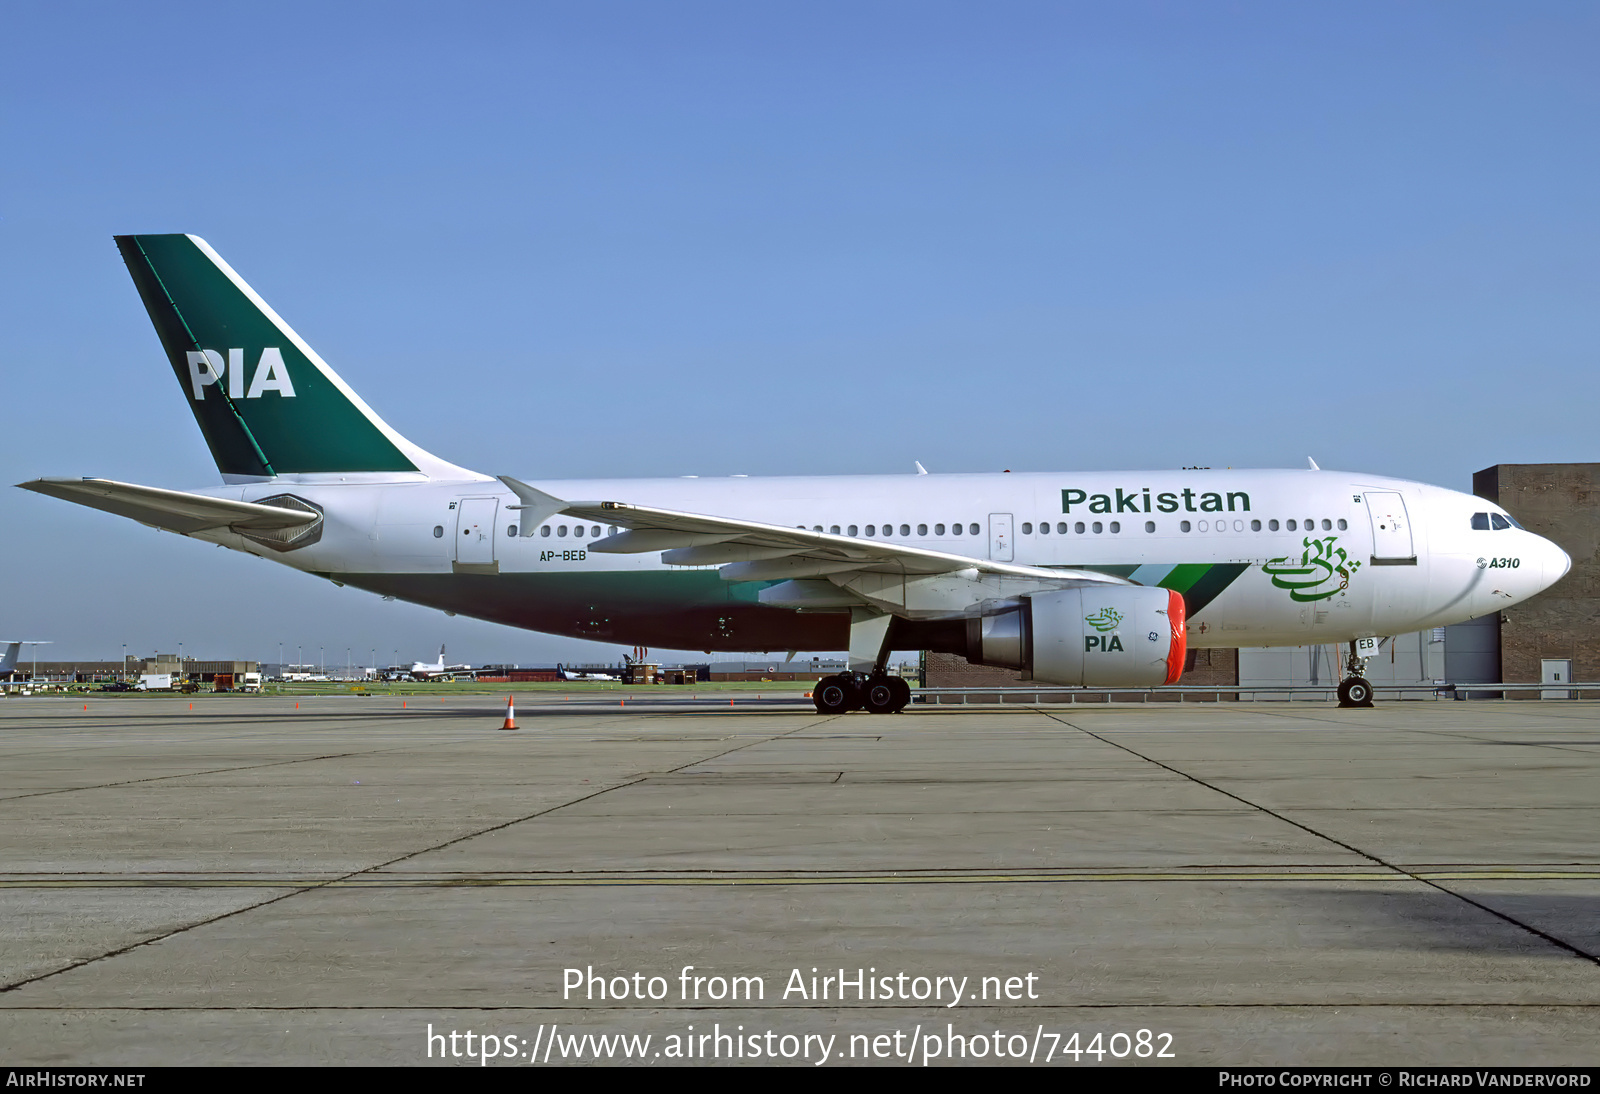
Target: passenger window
[(905, 530), (1078, 527), (955, 529), (922, 529), (816, 527), (1255, 526), (1342, 524), (1097, 528), (1238, 526), (938, 530), (1184, 525), (1289, 525), (1202, 526), (1480, 522), (1498, 522), (872, 530), (1116, 526), (1327, 525), (1310, 525), (544, 530), (1044, 528), (561, 530), (852, 530), (438, 531), (1061, 528), (973, 528), (833, 529), (1272, 526), (1027, 529), (595, 531), (1149, 526), (511, 530)]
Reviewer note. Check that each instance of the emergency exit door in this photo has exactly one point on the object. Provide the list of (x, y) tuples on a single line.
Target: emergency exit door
[(475, 531), (1391, 529), (1000, 548)]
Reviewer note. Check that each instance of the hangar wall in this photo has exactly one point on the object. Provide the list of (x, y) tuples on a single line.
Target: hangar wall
[(1560, 501)]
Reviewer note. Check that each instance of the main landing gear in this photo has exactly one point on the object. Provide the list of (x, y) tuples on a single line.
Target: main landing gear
[(1355, 690), (877, 693), (868, 685)]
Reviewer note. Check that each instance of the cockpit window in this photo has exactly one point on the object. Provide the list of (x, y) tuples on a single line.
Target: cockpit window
[(1480, 522), (1498, 522)]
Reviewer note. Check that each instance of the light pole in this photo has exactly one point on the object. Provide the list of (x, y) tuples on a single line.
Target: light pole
[(123, 675)]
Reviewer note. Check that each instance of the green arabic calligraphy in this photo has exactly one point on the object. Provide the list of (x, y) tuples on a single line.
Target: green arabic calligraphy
[(1322, 570), (1105, 619)]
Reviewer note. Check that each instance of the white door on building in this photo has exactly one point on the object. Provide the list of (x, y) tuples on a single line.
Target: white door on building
[(1391, 527), (1000, 548), (1555, 672), (475, 531)]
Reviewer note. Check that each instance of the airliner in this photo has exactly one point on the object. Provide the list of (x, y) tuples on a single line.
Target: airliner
[(568, 674), (1096, 579), (422, 670)]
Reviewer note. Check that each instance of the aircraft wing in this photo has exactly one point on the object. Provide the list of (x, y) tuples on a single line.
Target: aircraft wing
[(172, 510), (752, 551)]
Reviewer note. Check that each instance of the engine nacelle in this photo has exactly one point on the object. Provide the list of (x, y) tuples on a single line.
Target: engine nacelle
[(1093, 636)]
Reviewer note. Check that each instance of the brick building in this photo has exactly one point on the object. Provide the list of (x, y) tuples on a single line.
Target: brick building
[(1560, 501)]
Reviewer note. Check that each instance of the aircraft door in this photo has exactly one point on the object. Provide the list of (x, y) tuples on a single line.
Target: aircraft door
[(475, 531), (1000, 548), (1391, 528)]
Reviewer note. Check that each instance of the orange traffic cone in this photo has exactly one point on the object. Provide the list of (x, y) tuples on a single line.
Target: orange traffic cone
[(511, 714)]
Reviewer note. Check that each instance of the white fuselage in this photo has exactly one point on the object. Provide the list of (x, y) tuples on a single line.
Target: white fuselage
[(1275, 557)]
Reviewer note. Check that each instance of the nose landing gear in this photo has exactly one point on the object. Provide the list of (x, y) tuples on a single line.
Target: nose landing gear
[(1355, 690)]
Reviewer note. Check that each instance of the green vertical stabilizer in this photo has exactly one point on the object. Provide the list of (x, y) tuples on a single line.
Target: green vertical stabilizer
[(265, 401)]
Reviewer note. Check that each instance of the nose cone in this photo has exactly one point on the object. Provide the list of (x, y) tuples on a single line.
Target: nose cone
[(1557, 563)]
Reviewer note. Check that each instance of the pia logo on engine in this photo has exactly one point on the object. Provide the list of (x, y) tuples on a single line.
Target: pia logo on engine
[(1106, 619)]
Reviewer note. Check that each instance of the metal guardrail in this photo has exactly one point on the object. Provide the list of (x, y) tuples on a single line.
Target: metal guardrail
[(1044, 694)]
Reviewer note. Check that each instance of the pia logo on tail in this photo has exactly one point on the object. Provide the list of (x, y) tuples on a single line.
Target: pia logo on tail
[(207, 367)]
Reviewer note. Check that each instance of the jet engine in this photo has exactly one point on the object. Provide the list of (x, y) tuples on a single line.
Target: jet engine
[(1091, 636)]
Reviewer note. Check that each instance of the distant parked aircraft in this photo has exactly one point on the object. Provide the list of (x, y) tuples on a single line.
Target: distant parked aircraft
[(441, 671)]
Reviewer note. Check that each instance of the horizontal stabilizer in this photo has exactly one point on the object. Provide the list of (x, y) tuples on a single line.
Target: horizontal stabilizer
[(173, 510), (534, 506)]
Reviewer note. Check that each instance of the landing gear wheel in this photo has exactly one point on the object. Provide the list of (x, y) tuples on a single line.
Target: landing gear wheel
[(1355, 692), (836, 695), (879, 695), (902, 694)]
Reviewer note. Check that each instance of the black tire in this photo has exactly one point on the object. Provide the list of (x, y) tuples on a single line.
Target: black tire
[(880, 695), (1355, 692), (902, 694), (835, 695)]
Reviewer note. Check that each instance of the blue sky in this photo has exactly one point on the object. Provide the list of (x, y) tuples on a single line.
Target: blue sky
[(562, 240)]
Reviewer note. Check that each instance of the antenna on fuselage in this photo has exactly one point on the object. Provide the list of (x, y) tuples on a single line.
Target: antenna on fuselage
[(1313, 464)]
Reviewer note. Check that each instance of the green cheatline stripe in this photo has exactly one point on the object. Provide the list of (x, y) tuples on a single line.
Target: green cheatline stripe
[(1210, 585), (1184, 575)]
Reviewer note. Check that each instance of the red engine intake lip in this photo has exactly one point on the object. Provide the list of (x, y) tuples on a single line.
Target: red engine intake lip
[(1180, 636)]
